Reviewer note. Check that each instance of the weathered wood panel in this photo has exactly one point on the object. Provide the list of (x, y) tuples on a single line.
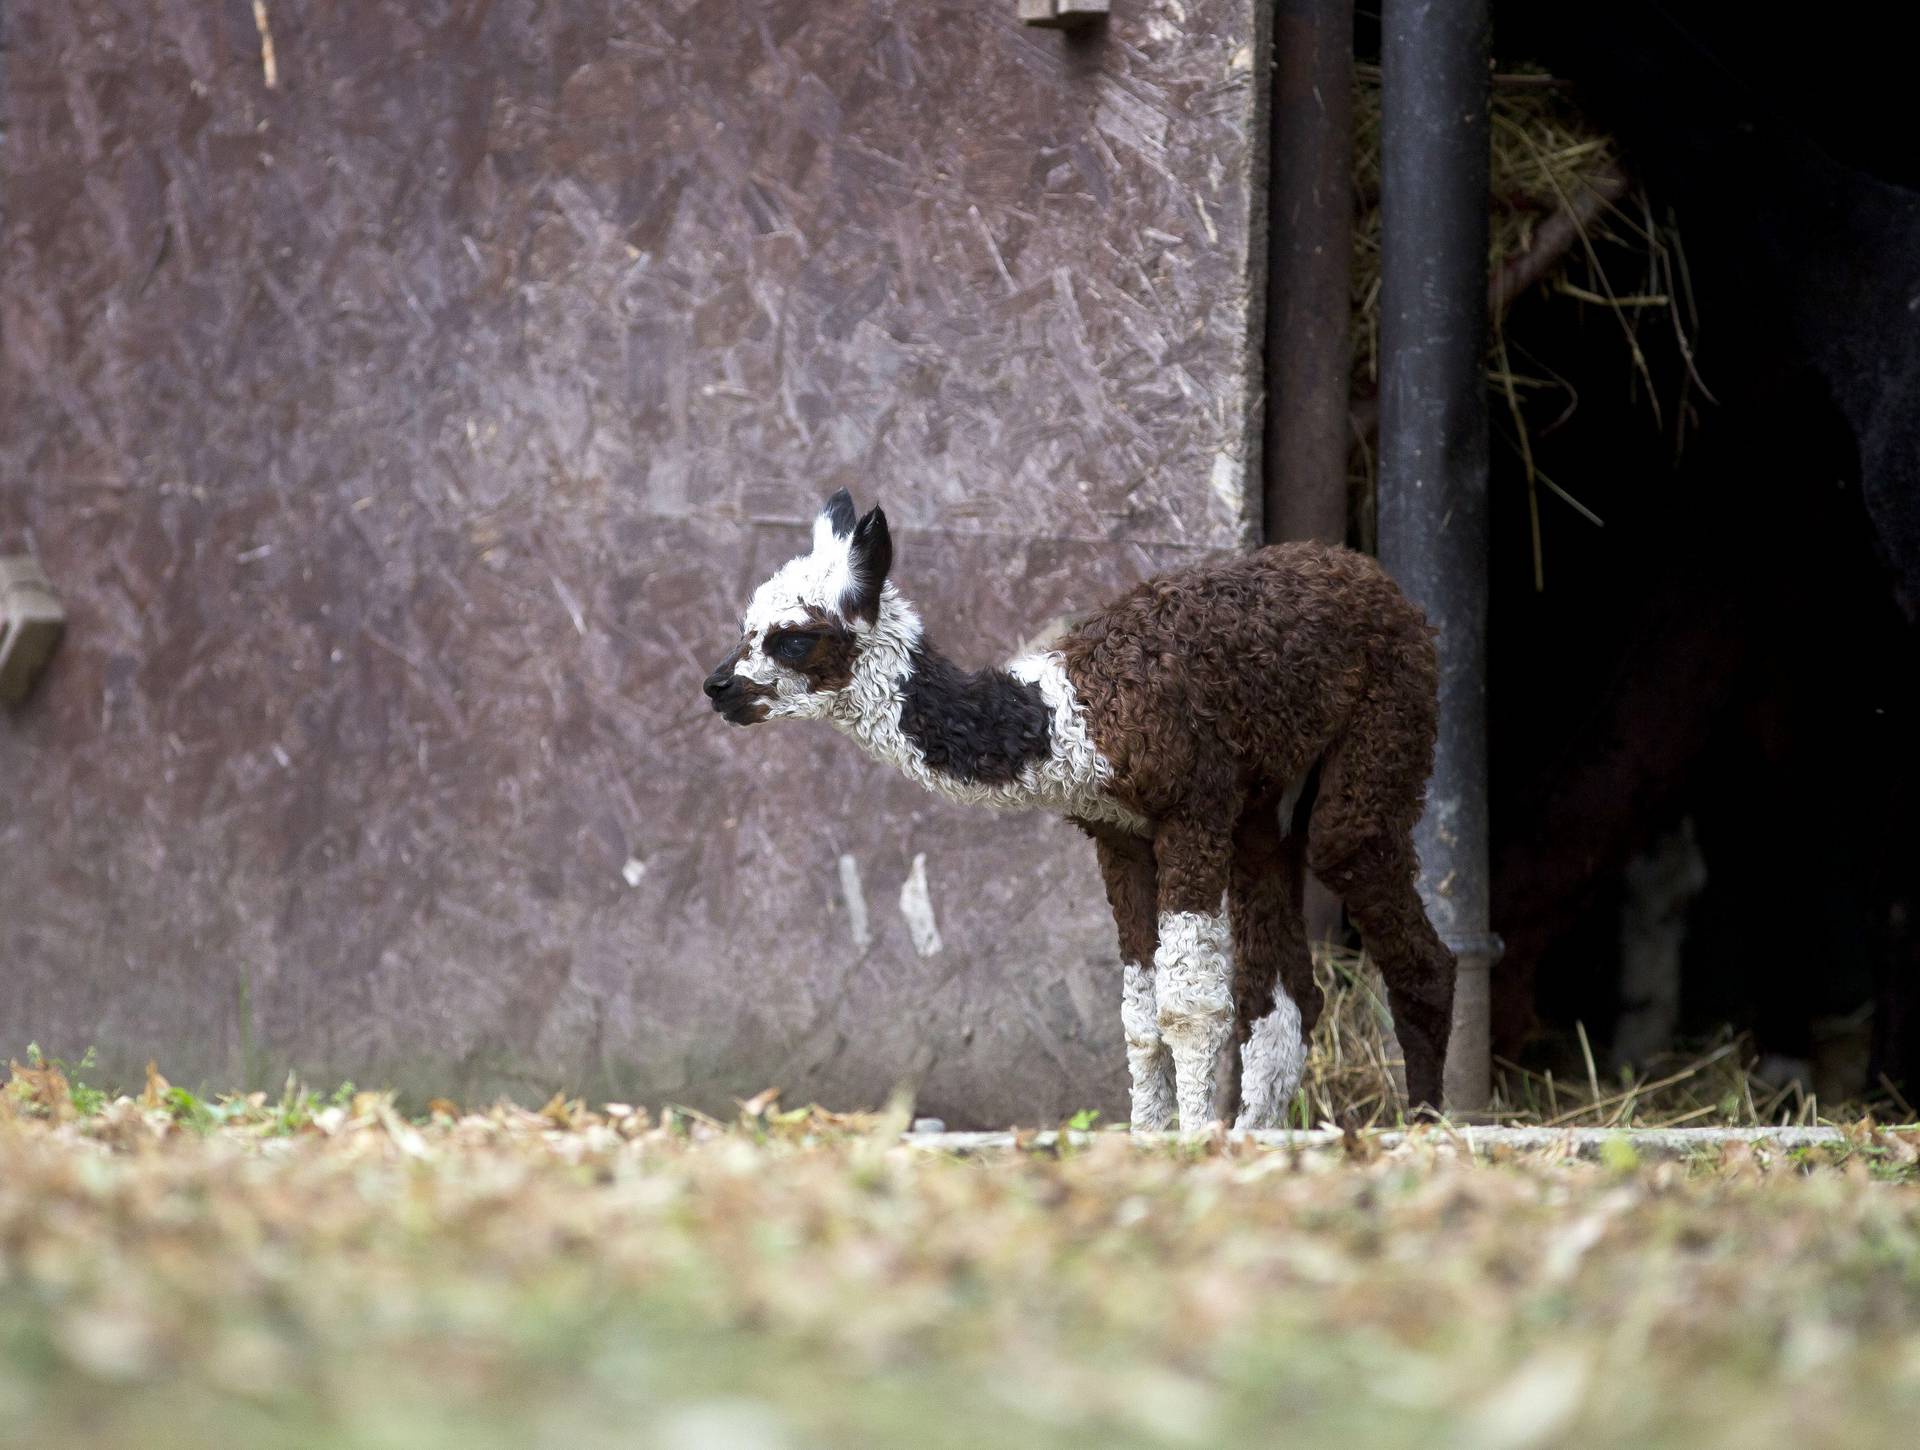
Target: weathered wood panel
[(407, 434)]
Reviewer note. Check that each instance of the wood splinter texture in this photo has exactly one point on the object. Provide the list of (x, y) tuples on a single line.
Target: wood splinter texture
[(1216, 731)]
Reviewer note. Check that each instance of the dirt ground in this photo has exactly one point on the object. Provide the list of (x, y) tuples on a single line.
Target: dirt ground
[(325, 1271)]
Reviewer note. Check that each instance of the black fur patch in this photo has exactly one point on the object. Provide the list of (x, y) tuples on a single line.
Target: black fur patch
[(976, 726), (839, 512)]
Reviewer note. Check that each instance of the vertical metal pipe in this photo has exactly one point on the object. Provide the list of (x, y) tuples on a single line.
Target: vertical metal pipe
[(1433, 452), (1309, 267), (1309, 318)]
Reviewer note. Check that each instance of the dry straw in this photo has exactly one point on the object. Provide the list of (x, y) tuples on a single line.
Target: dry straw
[(1352, 1077), (1564, 214)]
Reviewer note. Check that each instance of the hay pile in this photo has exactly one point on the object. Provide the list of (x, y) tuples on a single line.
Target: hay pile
[(1564, 214), (1546, 156), (1353, 1068)]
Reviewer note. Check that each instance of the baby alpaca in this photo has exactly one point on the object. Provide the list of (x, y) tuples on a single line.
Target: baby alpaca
[(1215, 731)]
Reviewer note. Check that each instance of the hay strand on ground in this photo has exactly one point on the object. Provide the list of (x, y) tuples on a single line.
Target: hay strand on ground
[(1353, 1064)]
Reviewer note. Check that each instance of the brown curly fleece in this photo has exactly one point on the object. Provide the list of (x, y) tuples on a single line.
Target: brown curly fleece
[(1214, 689)]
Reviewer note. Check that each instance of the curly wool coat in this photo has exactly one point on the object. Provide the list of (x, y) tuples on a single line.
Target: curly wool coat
[(1217, 730), (1265, 714)]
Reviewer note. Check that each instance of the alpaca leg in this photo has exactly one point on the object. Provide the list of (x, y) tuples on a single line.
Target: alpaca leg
[(1276, 999), (1416, 966), (1126, 865), (1193, 964), (1361, 845), (1149, 1062)]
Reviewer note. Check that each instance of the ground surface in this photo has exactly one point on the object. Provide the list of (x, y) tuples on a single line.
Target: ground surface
[(304, 1272)]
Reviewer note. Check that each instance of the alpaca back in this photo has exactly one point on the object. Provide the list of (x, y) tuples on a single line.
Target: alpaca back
[(1211, 680)]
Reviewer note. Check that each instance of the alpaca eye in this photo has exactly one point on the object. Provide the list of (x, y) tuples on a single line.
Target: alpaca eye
[(792, 648)]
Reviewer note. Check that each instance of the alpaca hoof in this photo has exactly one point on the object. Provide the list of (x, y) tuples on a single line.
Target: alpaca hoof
[(1154, 1119)]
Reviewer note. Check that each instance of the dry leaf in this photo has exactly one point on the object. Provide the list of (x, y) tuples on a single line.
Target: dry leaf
[(1900, 1147), (760, 1103), (44, 1088), (155, 1093), (563, 1112)]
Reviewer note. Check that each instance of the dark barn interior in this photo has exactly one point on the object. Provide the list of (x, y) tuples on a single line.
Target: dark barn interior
[(1702, 713)]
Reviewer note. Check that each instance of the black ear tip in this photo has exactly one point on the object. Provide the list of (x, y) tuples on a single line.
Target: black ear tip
[(839, 512), (876, 519)]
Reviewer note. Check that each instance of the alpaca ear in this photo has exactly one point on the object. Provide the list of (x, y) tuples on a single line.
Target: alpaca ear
[(835, 520), (869, 557)]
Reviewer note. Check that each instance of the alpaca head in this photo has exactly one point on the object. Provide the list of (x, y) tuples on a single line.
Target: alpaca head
[(807, 626)]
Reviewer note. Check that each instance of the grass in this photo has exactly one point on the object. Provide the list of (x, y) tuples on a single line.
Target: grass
[(323, 1270), (1353, 1079)]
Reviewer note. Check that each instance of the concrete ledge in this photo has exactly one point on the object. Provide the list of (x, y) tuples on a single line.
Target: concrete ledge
[(1647, 1143)]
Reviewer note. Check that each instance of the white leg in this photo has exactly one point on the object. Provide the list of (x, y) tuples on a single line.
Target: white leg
[(1147, 1055), (1193, 992), (1271, 1064)]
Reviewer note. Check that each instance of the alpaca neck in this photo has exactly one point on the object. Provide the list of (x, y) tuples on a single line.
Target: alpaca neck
[(973, 735), (1013, 738)]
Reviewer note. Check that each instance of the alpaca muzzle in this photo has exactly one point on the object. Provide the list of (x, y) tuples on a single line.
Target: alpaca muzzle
[(739, 701)]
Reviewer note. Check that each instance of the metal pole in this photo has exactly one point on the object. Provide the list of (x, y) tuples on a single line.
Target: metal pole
[(1433, 453), (1309, 345), (1309, 267)]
